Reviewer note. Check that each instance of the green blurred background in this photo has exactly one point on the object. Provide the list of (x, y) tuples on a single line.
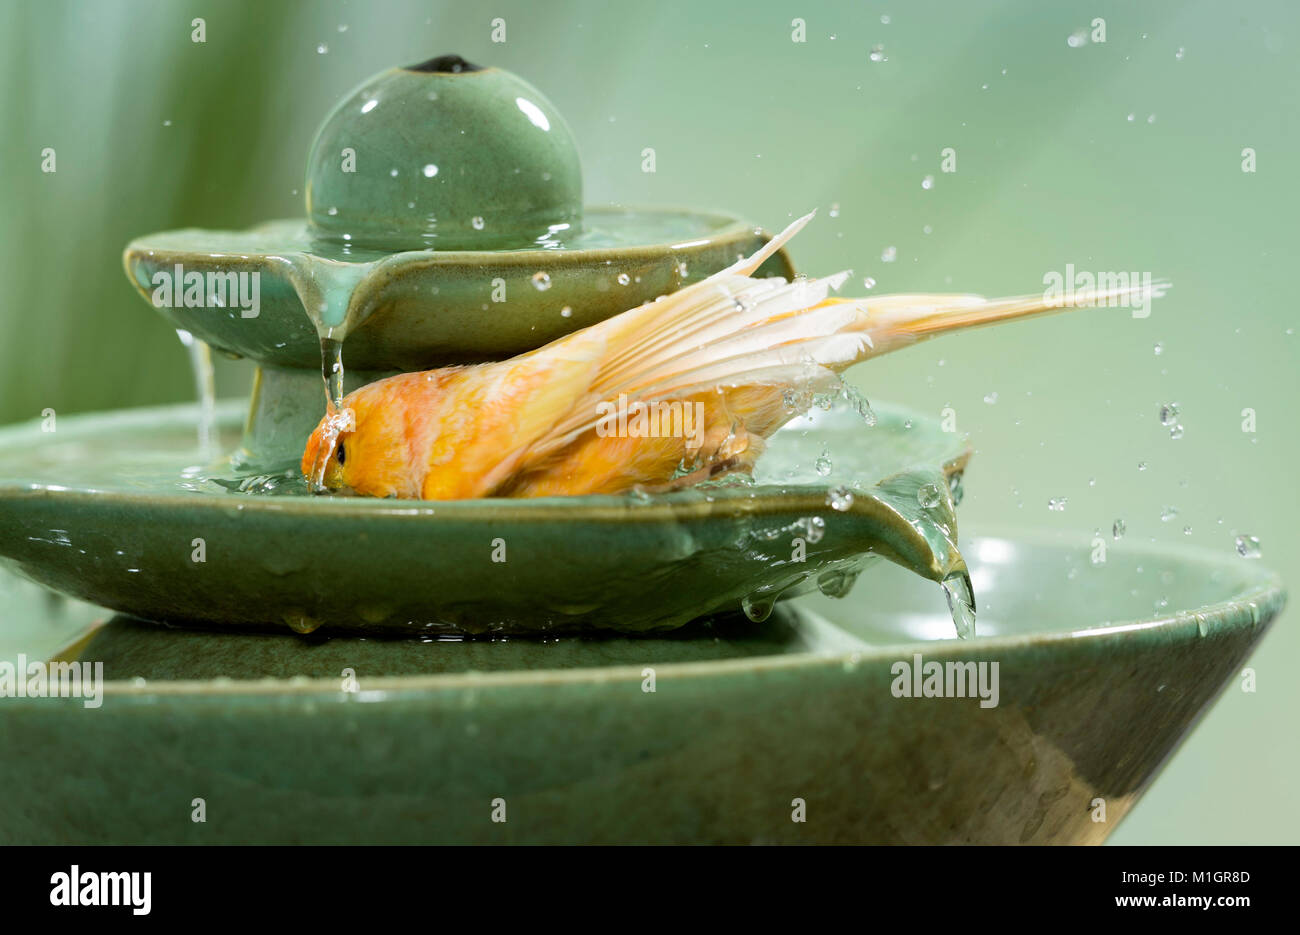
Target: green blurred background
[(153, 131)]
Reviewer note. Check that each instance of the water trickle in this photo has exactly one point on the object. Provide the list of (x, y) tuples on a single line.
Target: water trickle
[(824, 465), (331, 367), (204, 389), (1117, 529), (961, 602)]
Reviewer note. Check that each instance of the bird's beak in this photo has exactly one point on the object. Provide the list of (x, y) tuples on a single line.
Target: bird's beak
[(333, 478)]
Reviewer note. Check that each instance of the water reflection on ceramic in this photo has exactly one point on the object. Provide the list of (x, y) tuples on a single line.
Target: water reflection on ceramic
[(743, 719)]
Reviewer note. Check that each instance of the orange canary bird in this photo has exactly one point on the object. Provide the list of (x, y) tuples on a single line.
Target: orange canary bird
[(677, 390)]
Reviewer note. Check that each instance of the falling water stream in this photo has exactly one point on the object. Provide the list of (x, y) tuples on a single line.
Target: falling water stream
[(205, 391)]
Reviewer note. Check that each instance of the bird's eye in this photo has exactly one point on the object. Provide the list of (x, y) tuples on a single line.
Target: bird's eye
[(341, 453)]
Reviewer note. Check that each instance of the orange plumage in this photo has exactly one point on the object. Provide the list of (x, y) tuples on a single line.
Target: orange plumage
[(662, 395)]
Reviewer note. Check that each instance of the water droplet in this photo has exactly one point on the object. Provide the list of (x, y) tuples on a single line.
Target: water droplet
[(889, 255), (430, 171), (1169, 414), (476, 222), (301, 623), (1151, 118), (758, 607), (1180, 53), (1176, 431), (868, 282), (1168, 513), (1158, 349), (835, 209), (955, 488), (1131, 117), (332, 211), (1142, 465), (1057, 504), (1117, 529), (878, 54), (1077, 39), (1187, 530), (839, 498), (928, 496), (814, 529), (541, 281), (836, 583), (884, 19), (167, 123), (322, 49), (823, 464), (928, 182), (624, 279), (566, 312), (991, 398), (343, 27), (1248, 546)]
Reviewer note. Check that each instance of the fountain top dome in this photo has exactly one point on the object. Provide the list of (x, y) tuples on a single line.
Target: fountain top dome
[(446, 155)]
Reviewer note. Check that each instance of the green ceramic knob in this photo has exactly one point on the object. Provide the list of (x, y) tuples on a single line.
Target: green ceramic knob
[(444, 155)]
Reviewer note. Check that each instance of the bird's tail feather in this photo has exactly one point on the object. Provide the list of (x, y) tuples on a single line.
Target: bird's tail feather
[(731, 330)]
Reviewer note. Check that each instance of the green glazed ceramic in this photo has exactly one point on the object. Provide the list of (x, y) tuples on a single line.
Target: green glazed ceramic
[(415, 309), (112, 508), (747, 726), (445, 155)]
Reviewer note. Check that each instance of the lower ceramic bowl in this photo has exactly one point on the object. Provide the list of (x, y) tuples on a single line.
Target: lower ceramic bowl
[(722, 731)]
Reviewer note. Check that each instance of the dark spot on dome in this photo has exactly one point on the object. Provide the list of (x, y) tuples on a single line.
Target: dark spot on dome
[(445, 65)]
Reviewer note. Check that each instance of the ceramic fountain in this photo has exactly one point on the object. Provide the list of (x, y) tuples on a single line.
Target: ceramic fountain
[(445, 224)]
